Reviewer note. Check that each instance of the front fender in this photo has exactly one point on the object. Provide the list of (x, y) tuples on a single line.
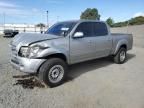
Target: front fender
[(51, 51)]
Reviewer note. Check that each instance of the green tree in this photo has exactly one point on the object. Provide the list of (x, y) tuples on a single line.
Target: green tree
[(91, 14), (41, 25), (137, 20), (133, 21), (110, 21)]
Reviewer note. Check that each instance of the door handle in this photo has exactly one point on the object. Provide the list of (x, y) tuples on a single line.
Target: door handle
[(89, 41), (109, 40)]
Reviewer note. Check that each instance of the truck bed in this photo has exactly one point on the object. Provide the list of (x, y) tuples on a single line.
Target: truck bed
[(118, 34), (119, 37)]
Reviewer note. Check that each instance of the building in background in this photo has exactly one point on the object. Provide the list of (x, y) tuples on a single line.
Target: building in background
[(29, 28)]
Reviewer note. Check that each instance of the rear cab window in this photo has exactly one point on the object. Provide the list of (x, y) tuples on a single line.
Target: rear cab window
[(100, 29)]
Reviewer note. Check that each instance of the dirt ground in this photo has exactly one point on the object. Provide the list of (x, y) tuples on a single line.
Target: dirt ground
[(93, 84)]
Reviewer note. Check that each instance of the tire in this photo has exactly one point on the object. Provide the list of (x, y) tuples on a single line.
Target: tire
[(121, 56), (53, 72)]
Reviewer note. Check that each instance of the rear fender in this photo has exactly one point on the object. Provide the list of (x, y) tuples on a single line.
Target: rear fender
[(119, 44)]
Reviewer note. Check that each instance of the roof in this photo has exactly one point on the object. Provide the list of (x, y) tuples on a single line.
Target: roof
[(83, 20)]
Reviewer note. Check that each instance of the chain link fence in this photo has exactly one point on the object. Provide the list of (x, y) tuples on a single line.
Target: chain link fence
[(23, 28)]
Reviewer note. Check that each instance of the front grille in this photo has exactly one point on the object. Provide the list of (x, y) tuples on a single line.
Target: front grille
[(14, 54), (14, 61), (13, 49)]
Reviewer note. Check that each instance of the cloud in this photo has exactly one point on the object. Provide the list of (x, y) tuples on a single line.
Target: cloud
[(12, 9), (18, 13), (35, 10), (104, 18), (138, 14), (7, 5), (9, 8), (54, 1)]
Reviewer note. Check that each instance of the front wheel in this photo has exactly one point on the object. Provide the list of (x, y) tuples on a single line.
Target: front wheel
[(53, 72), (121, 56)]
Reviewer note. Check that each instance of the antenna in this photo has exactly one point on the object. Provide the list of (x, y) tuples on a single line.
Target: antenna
[(4, 20), (128, 25), (47, 19)]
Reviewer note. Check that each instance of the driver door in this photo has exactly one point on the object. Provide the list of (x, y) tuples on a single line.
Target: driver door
[(81, 49)]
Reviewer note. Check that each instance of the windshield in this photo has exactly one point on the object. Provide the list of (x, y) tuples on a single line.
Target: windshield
[(61, 29)]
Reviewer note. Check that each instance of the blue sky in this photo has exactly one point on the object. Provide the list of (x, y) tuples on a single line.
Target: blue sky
[(34, 11)]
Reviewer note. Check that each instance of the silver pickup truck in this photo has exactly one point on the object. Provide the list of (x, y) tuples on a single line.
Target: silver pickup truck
[(65, 43)]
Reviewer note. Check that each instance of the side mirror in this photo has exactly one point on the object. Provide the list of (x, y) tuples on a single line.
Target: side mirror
[(78, 35), (64, 31)]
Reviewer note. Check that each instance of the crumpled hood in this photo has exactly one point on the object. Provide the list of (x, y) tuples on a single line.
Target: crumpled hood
[(27, 38)]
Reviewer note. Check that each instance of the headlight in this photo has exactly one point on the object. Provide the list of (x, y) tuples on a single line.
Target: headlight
[(31, 51), (24, 51), (34, 50)]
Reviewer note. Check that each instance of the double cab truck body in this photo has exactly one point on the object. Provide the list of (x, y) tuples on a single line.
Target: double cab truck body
[(67, 43)]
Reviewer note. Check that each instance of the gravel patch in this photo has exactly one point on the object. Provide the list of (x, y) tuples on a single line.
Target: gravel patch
[(93, 84)]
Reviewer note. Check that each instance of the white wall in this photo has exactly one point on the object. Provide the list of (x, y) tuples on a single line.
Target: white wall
[(21, 27), (137, 31)]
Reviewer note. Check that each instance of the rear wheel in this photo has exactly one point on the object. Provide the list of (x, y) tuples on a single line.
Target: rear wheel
[(121, 56), (53, 72)]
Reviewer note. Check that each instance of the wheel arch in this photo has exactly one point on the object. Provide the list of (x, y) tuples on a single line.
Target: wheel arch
[(121, 44), (124, 46), (55, 55)]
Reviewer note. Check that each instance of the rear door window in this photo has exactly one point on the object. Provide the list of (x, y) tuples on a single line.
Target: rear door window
[(100, 29)]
